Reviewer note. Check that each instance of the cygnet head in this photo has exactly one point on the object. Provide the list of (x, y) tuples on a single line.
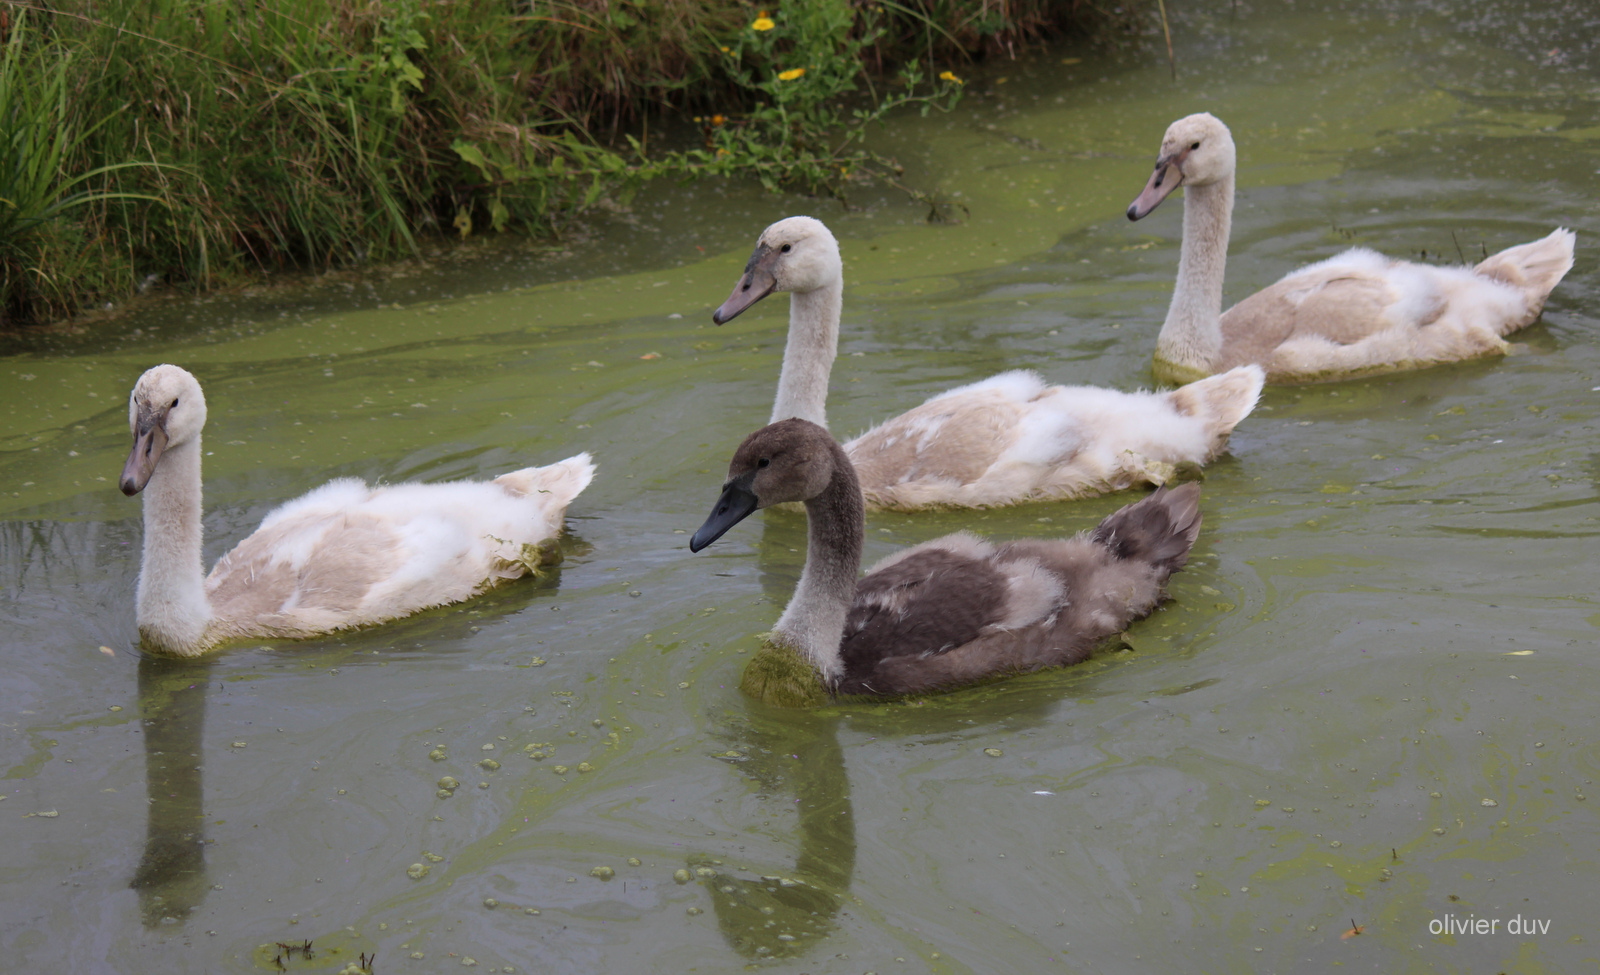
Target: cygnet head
[(166, 409), (1196, 151), (791, 460), (795, 254)]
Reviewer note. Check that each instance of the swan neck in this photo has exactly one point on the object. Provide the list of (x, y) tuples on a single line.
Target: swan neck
[(172, 607), (808, 356), (1192, 334), (813, 622)]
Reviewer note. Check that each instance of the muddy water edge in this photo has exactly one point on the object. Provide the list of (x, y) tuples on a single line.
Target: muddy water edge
[(1369, 702)]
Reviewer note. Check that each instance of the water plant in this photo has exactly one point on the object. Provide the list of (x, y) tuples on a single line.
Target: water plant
[(800, 65), (795, 68)]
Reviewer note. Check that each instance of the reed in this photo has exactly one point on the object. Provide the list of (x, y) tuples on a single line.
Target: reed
[(193, 141), (45, 261)]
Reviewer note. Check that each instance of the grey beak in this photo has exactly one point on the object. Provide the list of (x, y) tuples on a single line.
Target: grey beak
[(149, 440), (757, 282), (735, 505)]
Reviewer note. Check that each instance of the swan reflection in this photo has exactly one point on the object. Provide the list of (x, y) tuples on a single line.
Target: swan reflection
[(171, 876)]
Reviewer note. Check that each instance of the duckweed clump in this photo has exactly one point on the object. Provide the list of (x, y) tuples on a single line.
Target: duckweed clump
[(779, 676)]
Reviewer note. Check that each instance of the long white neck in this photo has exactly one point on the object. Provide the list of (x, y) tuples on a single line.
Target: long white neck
[(173, 610), (1192, 334), (808, 356), (813, 622)]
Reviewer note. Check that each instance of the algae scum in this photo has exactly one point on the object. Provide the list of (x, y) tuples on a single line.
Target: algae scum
[(1370, 699)]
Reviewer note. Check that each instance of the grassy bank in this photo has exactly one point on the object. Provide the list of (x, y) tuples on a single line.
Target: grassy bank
[(189, 143)]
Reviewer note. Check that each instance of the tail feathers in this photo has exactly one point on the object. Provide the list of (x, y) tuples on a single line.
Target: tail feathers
[(1159, 530), (1536, 267), (1223, 399), (562, 481)]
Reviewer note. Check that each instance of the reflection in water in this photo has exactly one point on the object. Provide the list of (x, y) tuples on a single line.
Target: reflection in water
[(171, 878), (774, 916)]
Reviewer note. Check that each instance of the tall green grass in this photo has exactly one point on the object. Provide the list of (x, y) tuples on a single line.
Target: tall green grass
[(292, 126), (191, 141), (41, 134)]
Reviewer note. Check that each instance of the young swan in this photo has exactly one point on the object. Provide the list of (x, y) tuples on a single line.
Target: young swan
[(1354, 314), (343, 555), (1008, 439), (947, 612)]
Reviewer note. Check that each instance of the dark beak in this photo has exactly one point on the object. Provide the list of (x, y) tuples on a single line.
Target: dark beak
[(149, 440), (735, 505), (758, 282), (1163, 181)]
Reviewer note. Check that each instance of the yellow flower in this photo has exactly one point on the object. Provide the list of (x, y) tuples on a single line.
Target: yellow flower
[(950, 76), (727, 50), (791, 74), (763, 23)]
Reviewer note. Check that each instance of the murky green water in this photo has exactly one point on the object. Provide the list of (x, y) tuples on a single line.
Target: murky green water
[(1371, 699)]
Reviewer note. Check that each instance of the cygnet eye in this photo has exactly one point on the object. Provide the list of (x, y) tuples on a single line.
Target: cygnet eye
[(785, 248), (174, 403), (763, 462), (1194, 147)]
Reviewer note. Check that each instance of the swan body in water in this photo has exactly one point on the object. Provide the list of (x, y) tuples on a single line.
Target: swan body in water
[(1005, 440), (950, 611), (1354, 314), (343, 555)]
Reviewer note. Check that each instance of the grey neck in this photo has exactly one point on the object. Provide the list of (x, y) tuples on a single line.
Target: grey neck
[(813, 622), (1192, 334), (808, 356)]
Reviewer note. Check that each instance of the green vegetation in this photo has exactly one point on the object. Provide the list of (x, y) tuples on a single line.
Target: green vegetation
[(191, 141), (38, 245)]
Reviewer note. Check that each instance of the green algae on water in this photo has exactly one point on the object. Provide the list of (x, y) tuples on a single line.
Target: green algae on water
[(779, 676)]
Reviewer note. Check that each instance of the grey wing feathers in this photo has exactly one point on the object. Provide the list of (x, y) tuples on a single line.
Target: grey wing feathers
[(923, 604)]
